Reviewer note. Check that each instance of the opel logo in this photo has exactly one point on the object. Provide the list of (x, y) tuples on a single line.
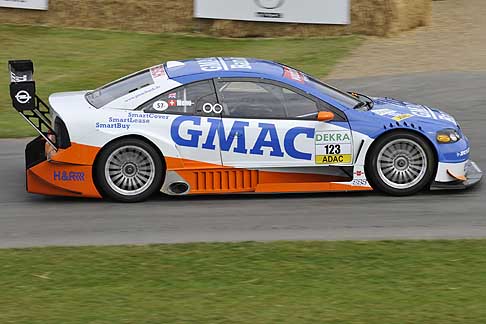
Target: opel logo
[(23, 97), (269, 4)]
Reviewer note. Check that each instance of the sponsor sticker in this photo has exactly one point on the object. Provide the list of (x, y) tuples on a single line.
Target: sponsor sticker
[(293, 75), (239, 63), (421, 111), (68, 176), (184, 103), (158, 72), (385, 112), (172, 95), (131, 119), (360, 183), (415, 110), (333, 147), (209, 108), (446, 117), (218, 64), (463, 153)]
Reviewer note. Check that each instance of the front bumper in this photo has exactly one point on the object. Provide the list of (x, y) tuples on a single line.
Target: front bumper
[(473, 176)]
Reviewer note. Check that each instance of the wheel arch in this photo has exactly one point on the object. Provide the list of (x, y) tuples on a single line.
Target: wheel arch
[(125, 137), (405, 130)]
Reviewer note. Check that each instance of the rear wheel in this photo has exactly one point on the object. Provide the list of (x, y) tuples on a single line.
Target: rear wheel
[(129, 170), (401, 164)]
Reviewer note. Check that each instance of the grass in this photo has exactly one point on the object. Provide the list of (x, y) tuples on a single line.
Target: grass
[(75, 59), (282, 282)]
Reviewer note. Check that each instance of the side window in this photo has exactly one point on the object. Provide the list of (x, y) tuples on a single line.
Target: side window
[(246, 99), (185, 100), (252, 99), (298, 106)]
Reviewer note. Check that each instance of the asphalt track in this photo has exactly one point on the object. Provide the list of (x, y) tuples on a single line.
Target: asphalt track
[(31, 220)]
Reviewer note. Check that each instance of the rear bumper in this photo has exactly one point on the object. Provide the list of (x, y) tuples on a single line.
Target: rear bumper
[(57, 178), (473, 176)]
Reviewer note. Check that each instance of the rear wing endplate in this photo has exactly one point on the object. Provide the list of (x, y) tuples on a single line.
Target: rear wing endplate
[(24, 99)]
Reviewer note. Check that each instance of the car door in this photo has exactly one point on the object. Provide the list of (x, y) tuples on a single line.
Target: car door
[(269, 124), (193, 113)]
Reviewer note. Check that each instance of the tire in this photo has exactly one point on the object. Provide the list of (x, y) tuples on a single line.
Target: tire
[(129, 170), (401, 164)]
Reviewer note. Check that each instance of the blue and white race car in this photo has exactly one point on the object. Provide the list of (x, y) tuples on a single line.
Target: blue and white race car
[(233, 125)]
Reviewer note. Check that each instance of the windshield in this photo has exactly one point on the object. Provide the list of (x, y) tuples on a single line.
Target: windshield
[(343, 98), (107, 93)]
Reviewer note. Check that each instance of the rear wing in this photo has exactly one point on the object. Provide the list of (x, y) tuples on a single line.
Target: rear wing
[(24, 99), (22, 84)]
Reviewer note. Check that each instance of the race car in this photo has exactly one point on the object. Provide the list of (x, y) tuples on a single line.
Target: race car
[(233, 125)]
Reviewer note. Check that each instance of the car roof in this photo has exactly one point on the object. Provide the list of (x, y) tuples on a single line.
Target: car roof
[(223, 66)]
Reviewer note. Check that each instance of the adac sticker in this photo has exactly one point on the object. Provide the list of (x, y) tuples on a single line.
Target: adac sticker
[(334, 147)]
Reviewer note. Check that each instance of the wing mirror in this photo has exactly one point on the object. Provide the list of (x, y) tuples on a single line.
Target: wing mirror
[(325, 116)]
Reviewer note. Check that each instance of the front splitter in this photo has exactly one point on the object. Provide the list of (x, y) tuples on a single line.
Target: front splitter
[(473, 177)]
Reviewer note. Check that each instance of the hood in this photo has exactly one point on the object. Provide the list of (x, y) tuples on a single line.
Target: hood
[(400, 110)]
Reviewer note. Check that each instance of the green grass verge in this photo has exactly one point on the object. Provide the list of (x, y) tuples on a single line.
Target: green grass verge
[(74, 59), (283, 282)]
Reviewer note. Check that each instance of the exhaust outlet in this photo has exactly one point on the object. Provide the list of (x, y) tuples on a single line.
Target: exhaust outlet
[(178, 188)]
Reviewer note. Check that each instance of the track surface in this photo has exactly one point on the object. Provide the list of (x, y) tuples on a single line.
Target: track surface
[(31, 220)]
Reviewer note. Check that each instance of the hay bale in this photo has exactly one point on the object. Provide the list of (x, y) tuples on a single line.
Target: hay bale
[(369, 17)]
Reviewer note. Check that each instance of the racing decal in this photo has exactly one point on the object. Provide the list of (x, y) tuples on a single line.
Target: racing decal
[(421, 111), (293, 75), (184, 103), (463, 153), (398, 116), (158, 73), (180, 103), (160, 105), (19, 78), (68, 176), (187, 131), (360, 183), (447, 117), (402, 117), (413, 109), (209, 108), (334, 147), (385, 112), (213, 64), (172, 95)]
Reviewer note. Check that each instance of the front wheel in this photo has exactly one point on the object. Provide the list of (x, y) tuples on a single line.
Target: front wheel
[(401, 164), (129, 170)]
